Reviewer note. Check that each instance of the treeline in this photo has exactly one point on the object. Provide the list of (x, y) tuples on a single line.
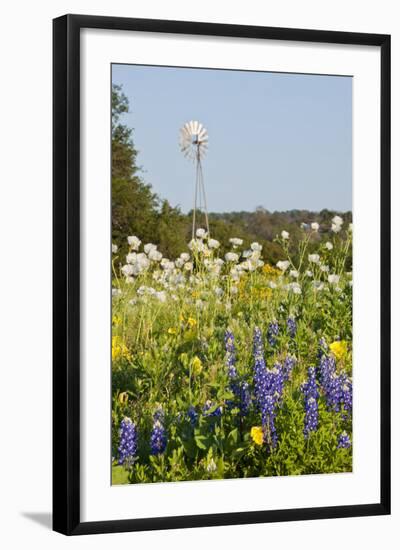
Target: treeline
[(137, 210)]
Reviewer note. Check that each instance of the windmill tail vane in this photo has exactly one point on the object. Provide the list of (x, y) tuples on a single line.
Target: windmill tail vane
[(193, 144)]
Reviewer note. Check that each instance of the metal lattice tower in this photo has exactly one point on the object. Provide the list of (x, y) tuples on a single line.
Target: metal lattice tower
[(194, 143)]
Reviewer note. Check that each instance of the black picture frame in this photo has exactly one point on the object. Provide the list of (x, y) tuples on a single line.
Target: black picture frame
[(66, 273)]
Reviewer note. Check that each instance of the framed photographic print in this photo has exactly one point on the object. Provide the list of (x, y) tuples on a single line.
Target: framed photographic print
[(221, 274)]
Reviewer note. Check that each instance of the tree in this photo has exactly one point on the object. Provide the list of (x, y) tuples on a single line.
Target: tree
[(134, 205)]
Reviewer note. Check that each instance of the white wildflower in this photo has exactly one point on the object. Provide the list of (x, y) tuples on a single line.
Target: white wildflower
[(236, 242), (333, 279), (318, 285), (283, 265), (131, 258), (114, 248), (328, 245), (116, 291), (295, 288), (167, 265), (197, 245), (337, 220), (142, 290), (309, 273), (285, 235), (149, 247), (313, 258), (201, 233), (188, 266), (293, 273), (324, 268), (134, 242), (142, 263), (231, 257), (213, 243), (315, 226), (155, 255), (127, 270), (256, 247), (185, 256), (161, 296)]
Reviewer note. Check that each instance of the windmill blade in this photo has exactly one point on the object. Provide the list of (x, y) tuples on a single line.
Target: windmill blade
[(192, 127), (203, 134), (193, 140)]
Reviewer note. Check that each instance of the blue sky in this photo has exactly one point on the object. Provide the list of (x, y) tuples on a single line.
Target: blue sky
[(280, 141)]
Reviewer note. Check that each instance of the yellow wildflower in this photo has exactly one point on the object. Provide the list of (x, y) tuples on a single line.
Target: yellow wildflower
[(116, 321), (123, 397), (339, 349), (197, 365), (119, 349), (271, 271), (172, 330), (257, 435), (191, 322)]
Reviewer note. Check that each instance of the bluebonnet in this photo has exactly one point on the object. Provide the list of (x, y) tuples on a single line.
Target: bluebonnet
[(272, 333), (277, 381), (288, 365), (259, 367), (338, 388), (268, 388), (158, 436), (193, 415), (346, 395), (239, 388), (230, 353), (311, 394), (330, 382), (128, 442), (344, 441), (216, 412), (159, 414), (291, 327)]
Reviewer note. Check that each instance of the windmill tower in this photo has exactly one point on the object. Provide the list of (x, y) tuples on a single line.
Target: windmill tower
[(194, 143)]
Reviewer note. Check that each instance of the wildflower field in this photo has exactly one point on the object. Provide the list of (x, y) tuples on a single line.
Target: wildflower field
[(224, 366)]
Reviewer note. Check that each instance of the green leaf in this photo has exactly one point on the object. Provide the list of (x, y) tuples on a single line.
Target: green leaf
[(200, 441)]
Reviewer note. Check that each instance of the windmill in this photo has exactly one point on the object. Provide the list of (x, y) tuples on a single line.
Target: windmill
[(193, 143)]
